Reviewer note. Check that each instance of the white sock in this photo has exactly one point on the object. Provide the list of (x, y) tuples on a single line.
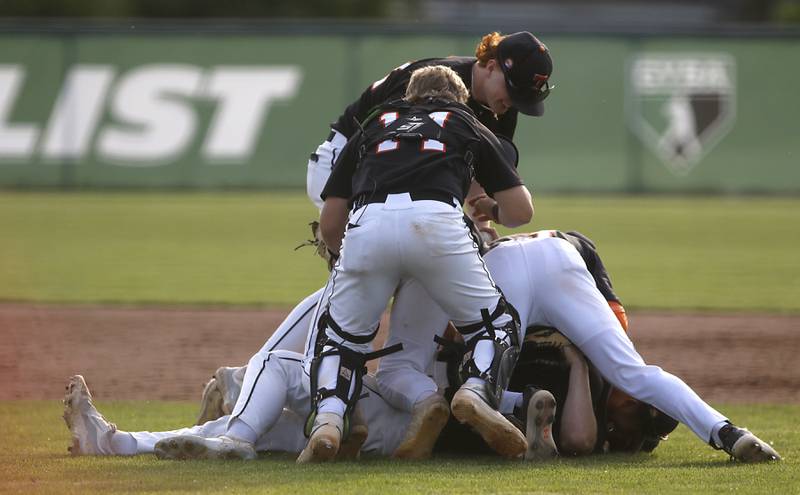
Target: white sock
[(332, 405), (240, 430), (509, 401), (123, 443)]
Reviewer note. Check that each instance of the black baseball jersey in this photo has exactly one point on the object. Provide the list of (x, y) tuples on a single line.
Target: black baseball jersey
[(432, 149), (393, 87)]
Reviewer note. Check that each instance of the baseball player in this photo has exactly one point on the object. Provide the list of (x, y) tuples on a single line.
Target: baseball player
[(508, 75), (566, 297), (550, 275), (404, 177)]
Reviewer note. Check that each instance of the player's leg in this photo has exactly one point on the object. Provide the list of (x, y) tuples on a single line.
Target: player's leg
[(447, 264), (414, 321), (266, 390), (361, 284), (569, 297), (387, 425), (403, 377), (222, 391), (292, 333)]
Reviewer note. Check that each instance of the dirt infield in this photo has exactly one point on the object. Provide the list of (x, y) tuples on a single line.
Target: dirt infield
[(168, 353)]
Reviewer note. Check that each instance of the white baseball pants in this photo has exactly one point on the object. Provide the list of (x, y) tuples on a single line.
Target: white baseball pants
[(546, 280), (319, 169)]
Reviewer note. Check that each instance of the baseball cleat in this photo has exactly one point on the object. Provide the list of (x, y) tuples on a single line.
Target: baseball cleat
[(194, 447), (471, 406), (539, 427), (229, 382), (350, 449), (743, 446), (211, 403), (428, 418), (323, 443), (91, 433)]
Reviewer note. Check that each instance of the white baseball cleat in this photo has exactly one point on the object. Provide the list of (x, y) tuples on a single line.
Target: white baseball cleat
[(91, 433), (323, 443), (539, 427), (428, 418), (470, 406), (743, 446), (229, 382), (350, 448), (211, 403), (196, 447)]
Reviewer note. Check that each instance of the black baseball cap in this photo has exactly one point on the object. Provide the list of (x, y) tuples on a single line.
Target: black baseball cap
[(527, 65)]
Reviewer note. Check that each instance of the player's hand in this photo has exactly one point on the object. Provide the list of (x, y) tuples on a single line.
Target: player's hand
[(574, 356), (482, 208), (490, 232)]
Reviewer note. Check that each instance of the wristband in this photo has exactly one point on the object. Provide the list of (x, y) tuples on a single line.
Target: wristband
[(496, 213)]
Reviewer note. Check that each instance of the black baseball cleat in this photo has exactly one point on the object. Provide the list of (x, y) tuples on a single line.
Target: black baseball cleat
[(743, 446)]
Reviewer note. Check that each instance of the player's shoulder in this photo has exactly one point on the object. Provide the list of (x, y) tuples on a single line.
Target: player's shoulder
[(460, 65)]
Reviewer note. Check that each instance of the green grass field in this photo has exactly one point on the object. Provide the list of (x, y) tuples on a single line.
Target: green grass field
[(237, 248), (34, 460), (720, 254)]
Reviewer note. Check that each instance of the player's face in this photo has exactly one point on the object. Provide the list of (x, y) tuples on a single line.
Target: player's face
[(495, 91)]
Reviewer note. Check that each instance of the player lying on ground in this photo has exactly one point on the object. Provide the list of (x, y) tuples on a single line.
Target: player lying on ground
[(632, 422), (91, 433)]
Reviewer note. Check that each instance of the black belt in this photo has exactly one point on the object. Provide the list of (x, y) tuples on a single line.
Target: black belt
[(370, 198)]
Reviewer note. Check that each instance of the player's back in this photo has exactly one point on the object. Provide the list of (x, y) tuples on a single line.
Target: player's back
[(421, 148)]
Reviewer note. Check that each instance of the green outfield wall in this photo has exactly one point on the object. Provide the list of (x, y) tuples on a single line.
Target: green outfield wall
[(639, 114)]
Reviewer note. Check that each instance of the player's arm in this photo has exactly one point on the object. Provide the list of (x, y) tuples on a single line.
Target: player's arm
[(508, 201), (514, 206), (333, 221), (336, 196)]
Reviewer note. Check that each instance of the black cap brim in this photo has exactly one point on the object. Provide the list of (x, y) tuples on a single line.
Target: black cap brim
[(524, 103)]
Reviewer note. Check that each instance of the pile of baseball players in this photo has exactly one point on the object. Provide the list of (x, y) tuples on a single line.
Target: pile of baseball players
[(515, 346)]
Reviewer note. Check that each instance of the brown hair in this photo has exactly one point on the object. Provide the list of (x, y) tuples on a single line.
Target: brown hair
[(436, 81), (487, 47)]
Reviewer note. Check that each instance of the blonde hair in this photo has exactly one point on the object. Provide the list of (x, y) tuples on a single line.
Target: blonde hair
[(487, 48), (436, 81)]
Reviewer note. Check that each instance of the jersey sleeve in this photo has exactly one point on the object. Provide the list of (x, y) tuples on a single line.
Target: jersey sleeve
[(340, 182), (494, 170), (391, 87)]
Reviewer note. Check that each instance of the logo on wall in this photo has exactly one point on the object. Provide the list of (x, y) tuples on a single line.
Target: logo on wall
[(148, 115), (681, 104)]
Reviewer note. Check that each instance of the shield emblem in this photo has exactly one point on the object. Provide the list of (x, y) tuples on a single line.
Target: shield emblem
[(681, 104)]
